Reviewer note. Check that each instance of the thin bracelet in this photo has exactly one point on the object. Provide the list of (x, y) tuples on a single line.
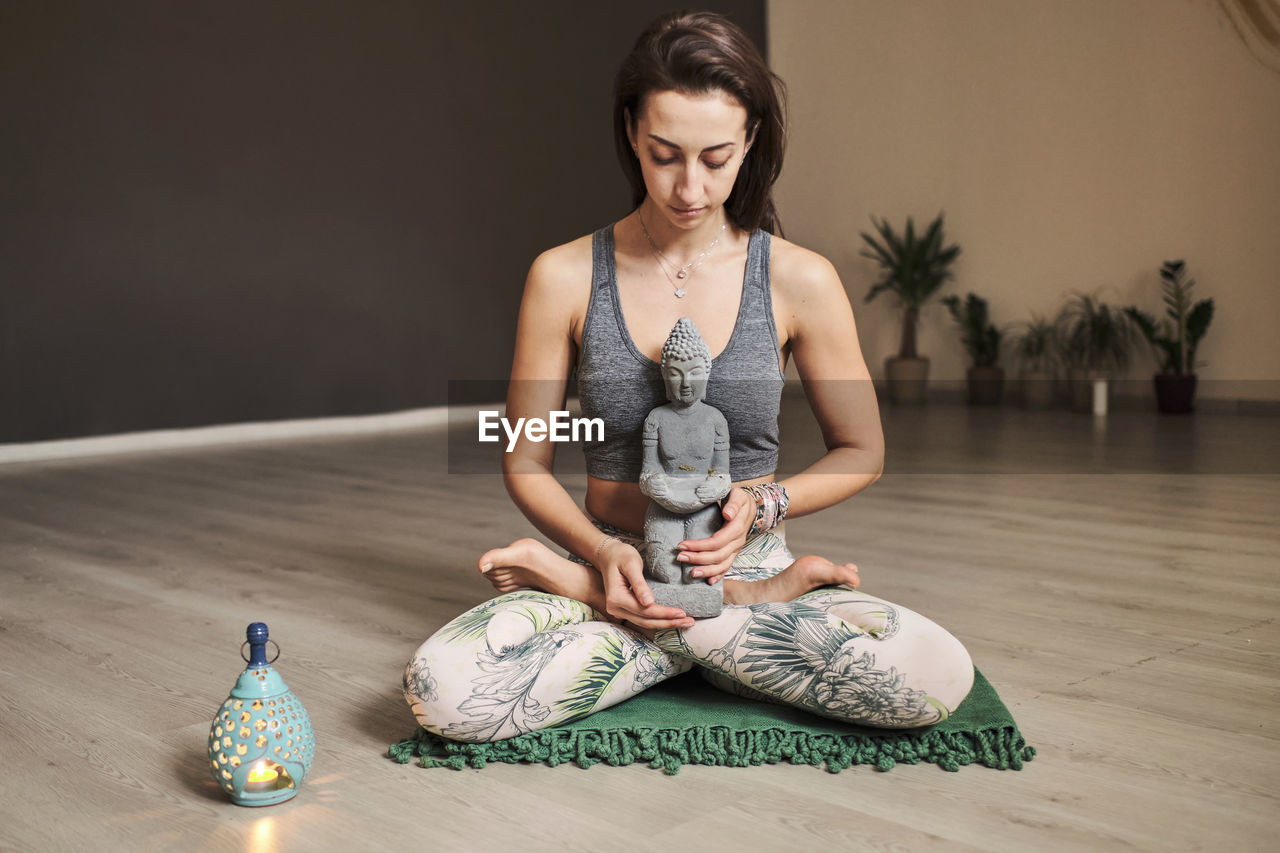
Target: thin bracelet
[(605, 541)]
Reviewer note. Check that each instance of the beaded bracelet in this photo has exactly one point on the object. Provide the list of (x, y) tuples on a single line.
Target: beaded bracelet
[(772, 502)]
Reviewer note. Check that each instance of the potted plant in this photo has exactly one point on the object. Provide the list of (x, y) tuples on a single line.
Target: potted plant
[(1174, 340), (912, 268), (1035, 348), (1095, 340), (981, 340)]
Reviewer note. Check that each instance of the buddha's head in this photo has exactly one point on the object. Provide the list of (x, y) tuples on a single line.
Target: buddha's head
[(686, 364)]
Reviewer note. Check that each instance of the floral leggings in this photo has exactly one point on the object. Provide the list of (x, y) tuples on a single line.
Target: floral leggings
[(527, 660)]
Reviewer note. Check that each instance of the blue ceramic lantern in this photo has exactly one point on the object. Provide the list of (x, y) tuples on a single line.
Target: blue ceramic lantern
[(260, 743)]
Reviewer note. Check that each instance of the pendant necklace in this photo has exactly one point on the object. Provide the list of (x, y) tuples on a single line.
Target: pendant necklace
[(682, 272)]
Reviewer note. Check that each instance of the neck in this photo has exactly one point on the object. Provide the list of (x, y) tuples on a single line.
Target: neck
[(680, 243)]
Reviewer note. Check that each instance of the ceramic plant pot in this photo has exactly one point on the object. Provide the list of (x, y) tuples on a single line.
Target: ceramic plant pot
[(907, 378), (1037, 389), (986, 385)]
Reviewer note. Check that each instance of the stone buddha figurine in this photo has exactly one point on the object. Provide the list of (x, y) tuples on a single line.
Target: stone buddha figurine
[(684, 472)]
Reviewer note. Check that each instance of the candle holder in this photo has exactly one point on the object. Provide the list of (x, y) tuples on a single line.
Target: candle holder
[(261, 743)]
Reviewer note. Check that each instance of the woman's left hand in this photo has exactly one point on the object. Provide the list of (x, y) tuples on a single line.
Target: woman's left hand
[(713, 556)]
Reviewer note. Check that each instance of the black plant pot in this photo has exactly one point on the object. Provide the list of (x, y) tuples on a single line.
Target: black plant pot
[(1175, 394)]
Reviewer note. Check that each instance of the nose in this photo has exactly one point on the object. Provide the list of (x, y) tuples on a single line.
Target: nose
[(689, 189)]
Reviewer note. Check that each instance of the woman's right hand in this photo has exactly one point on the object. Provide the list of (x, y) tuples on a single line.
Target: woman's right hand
[(627, 595)]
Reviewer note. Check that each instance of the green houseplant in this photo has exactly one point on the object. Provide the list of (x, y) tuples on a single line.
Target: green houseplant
[(1175, 338), (981, 340), (913, 267), (1096, 340), (1036, 351)]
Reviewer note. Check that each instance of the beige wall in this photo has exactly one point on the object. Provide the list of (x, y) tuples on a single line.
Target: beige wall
[(1073, 145)]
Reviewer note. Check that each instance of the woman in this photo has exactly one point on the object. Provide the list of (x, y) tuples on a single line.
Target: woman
[(699, 128)]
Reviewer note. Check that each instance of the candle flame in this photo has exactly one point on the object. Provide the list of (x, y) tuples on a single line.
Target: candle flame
[(262, 773)]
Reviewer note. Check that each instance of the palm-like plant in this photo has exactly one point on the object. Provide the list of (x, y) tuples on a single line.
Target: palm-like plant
[(1174, 339), (978, 335), (1035, 345), (912, 267), (1094, 336)]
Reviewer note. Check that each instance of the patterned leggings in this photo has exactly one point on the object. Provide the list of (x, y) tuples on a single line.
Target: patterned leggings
[(527, 660)]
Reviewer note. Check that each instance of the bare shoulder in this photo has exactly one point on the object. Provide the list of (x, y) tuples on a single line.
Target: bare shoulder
[(803, 280), (563, 271)]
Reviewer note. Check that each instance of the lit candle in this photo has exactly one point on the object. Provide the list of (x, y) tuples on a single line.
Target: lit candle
[(261, 778)]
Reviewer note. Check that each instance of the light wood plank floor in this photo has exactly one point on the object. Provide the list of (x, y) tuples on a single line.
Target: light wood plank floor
[(1127, 616)]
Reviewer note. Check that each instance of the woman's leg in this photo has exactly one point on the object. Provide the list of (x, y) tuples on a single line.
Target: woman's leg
[(834, 652), (524, 661)]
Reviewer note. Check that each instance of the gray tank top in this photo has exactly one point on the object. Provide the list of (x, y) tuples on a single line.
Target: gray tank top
[(621, 385)]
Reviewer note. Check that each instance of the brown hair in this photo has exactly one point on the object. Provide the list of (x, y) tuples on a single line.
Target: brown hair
[(695, 53)]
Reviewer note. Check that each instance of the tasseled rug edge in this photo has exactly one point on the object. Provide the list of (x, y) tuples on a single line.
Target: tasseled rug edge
[(1001, 748)]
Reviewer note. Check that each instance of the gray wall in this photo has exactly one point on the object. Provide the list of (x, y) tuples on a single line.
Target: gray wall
[(223, 212)]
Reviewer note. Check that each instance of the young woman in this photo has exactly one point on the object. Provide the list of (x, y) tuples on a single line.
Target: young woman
[(698, 123)]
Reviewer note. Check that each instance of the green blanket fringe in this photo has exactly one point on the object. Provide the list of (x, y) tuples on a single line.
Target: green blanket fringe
[(1000, 748)]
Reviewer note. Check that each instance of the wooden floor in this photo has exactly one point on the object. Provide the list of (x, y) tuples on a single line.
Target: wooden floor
[(1127, 617)]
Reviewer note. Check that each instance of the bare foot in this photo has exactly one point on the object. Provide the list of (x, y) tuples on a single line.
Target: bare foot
[(528, 564), (806, 573)]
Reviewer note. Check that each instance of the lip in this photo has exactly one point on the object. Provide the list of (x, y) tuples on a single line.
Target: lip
[(687, 211)]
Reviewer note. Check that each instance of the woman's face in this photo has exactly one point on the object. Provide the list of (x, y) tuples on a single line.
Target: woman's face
[(690, 149)]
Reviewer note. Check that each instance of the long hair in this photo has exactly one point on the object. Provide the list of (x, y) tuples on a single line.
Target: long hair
[(695, 53)]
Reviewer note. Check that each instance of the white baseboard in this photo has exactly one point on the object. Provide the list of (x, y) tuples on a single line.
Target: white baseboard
[(170, 439)]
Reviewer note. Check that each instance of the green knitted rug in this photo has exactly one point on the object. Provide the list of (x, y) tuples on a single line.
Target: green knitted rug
[(686, 721)]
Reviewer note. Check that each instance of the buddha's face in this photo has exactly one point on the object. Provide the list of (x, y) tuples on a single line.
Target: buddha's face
[(686, 380)]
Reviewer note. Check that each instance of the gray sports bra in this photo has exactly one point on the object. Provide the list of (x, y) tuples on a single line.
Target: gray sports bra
[(620, 385)]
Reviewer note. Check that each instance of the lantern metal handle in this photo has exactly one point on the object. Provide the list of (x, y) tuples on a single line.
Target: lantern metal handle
[(272, 642)]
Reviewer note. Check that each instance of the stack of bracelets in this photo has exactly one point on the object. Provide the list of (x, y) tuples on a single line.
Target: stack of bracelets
[(771, 505)]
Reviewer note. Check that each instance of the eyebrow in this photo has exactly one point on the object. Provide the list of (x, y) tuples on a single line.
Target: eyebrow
[(669, 144)]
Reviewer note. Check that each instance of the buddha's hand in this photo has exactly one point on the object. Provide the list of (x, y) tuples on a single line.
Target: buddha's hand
[(710, 558), (655, 484), (715, 487), (627, 596)]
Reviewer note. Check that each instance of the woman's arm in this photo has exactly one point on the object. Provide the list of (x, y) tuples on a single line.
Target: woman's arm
[(815, 326), (823, 340), (553, 304)]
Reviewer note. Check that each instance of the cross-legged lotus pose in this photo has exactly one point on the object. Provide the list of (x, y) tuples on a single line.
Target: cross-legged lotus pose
[(698, 122)]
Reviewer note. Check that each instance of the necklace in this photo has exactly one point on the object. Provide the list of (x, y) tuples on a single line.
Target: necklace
[(682, 272)]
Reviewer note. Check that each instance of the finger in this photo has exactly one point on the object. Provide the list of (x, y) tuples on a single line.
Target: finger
[(713, 573), (659, 624), (722, 538), (704, 562), (734, 506), (655, 616), (635, 579)]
